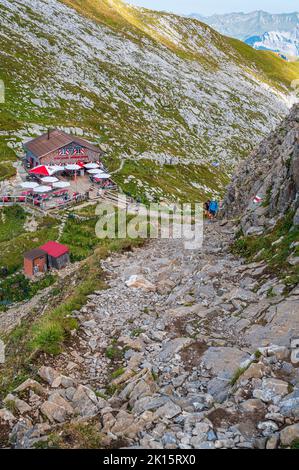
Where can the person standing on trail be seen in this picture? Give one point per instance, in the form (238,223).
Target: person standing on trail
(213,209)
(206,207)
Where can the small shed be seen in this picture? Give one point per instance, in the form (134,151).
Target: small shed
(58,254)
(35,262)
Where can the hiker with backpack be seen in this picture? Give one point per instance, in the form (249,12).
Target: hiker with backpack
(213,209)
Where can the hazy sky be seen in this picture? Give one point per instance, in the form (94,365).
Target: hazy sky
(208,7)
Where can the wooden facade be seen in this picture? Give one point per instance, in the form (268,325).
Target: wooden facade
(35,262)
(58,148)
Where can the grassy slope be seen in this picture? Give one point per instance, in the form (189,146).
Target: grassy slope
(118,15)
(179,182)
(267,64)
(14,241)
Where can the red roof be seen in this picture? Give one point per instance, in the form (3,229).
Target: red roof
(54,249)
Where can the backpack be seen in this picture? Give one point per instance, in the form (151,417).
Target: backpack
(213,206)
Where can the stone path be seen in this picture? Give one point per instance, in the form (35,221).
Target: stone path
(173,341)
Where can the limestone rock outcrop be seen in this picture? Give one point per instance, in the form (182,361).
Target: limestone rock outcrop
(270,174)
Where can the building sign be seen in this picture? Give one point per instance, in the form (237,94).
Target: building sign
(68,158)
(73,150)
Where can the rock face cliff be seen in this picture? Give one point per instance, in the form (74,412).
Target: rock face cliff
(266,185)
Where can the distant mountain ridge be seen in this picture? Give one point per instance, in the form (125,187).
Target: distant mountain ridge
(245,25)
(286,43)
(259,29)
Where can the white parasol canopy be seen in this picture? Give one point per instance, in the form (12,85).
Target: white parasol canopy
(73,167)
(102,176)
(42,189)
(90,166)
(61,184)
(95,171)
(29,185)
(49,179)
(56,168)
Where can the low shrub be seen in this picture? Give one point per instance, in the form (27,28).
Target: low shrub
(48,337)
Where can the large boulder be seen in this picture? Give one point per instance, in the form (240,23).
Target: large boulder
(253,405)
(272,390)
(6,416)
(48,374)
(17,403)
(86,403)
(54,412)
(283,319)
(57,408)
(289,434)
(224,361)
(139,282)
(172,347)
(169,410)
(289,407)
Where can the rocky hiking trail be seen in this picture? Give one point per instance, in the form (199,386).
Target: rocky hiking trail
(185,349)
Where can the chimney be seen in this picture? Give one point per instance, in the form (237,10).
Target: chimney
(49,134)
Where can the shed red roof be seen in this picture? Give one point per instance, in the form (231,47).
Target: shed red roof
(54,249)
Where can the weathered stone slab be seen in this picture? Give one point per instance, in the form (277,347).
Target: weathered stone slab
(223,361)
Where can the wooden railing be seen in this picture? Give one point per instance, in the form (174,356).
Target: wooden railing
(11,200)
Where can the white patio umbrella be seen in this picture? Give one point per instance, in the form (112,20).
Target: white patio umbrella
(49,179)
(102,176)
(61,184)
(90,166)
(73,167)
(42,189)
(56,168)
(94,171)
(29,185)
